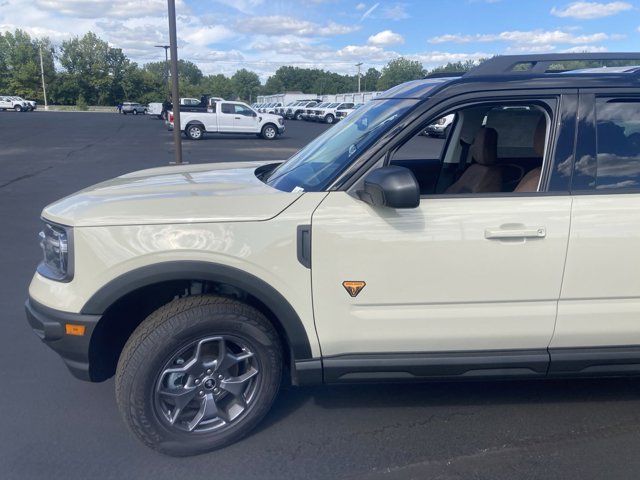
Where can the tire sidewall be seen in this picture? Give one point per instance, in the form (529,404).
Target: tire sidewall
(329,119)
(156,350)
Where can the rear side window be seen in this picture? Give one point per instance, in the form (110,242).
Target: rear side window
(618,144)
(227,108)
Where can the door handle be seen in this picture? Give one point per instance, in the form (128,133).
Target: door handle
(514,231)
(237,118)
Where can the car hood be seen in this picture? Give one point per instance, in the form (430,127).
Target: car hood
(221,192)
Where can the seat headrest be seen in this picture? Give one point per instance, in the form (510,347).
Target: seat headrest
(539,136)
(484,149)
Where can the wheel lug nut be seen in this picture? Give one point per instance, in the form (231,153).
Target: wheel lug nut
(197,382)
(201,393)
(209,371)
(216,390)
(220,377)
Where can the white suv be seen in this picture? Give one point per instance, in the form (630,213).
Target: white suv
(12,103)
(370,255)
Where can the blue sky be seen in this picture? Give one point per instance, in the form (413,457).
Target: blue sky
(224,35)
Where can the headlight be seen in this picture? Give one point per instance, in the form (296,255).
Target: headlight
(56,242)
(281,121)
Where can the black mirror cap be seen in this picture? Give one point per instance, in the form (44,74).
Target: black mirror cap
(391,186)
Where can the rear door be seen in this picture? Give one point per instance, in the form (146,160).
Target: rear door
(598,327)
(226,117)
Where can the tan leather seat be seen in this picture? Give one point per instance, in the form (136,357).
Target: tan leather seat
(483,175)
(530,181)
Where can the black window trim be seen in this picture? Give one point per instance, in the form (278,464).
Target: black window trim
(591,97)
(429,111)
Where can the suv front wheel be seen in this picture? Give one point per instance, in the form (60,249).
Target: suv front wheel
(198,374)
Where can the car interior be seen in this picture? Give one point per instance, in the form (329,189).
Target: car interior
(490,149)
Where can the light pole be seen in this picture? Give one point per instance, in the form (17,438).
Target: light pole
(166,64)
(44,87)
(175,91)
(359,65)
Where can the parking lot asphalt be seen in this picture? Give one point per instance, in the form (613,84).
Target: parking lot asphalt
(55,427)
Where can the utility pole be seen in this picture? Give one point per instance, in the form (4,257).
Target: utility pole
(166,65)
(359,65)
(175,91)
(44,87)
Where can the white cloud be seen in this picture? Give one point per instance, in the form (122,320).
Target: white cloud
(586,48)
(591,10)
(361,6)
(532,37)
(280,24)
(244,6)
(395,12)
(386,37)
(204,36)
(104,8)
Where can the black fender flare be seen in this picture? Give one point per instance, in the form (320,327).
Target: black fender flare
(126,283)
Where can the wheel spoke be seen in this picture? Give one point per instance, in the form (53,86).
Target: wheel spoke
(179,398)
(230,359)
(236,385)
(208,411)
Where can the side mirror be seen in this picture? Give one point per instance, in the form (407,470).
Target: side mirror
(391,186)
(254,114)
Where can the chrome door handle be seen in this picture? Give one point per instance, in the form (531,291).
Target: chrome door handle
(504,232)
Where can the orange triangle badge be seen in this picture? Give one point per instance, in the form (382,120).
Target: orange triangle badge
(353,288)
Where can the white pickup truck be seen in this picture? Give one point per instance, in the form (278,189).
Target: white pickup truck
(229,117)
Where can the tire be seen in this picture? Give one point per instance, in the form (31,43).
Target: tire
(194,132)
(135,112)
(171,337)
(329,119)
(298,116)
(17,108)
(269,132)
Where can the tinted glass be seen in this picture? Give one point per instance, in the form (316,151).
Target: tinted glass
(227,108)
(618,144)
(242,110)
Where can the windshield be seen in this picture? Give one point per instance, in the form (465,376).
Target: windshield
(317,164)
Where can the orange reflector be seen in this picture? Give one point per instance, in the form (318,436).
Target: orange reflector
(77,330)
(353,287)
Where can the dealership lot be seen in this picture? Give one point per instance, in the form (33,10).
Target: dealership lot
(54,426)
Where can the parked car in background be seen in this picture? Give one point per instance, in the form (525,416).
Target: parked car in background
(309,113)
(340,114)
(328,114)
(133,108)
(296,111)
(9,102)
(31,104)
(229,117)
(155,108)
(441,128)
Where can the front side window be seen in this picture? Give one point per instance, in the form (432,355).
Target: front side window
(315,166)
(479,149)
(618,144)
(242,110)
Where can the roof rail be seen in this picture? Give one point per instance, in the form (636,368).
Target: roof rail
(506,64)
(445,74)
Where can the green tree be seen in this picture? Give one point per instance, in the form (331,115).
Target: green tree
(95,70)
(455,67)
(370,79)
(20,64)
(246,84)
(398,71)
(217,86)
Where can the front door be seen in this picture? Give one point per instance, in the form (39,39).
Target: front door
(460,273)
(245,119)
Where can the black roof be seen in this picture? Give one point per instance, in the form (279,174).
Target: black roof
(528,72)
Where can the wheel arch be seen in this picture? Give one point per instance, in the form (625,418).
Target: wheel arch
(195,122)
(161,281)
